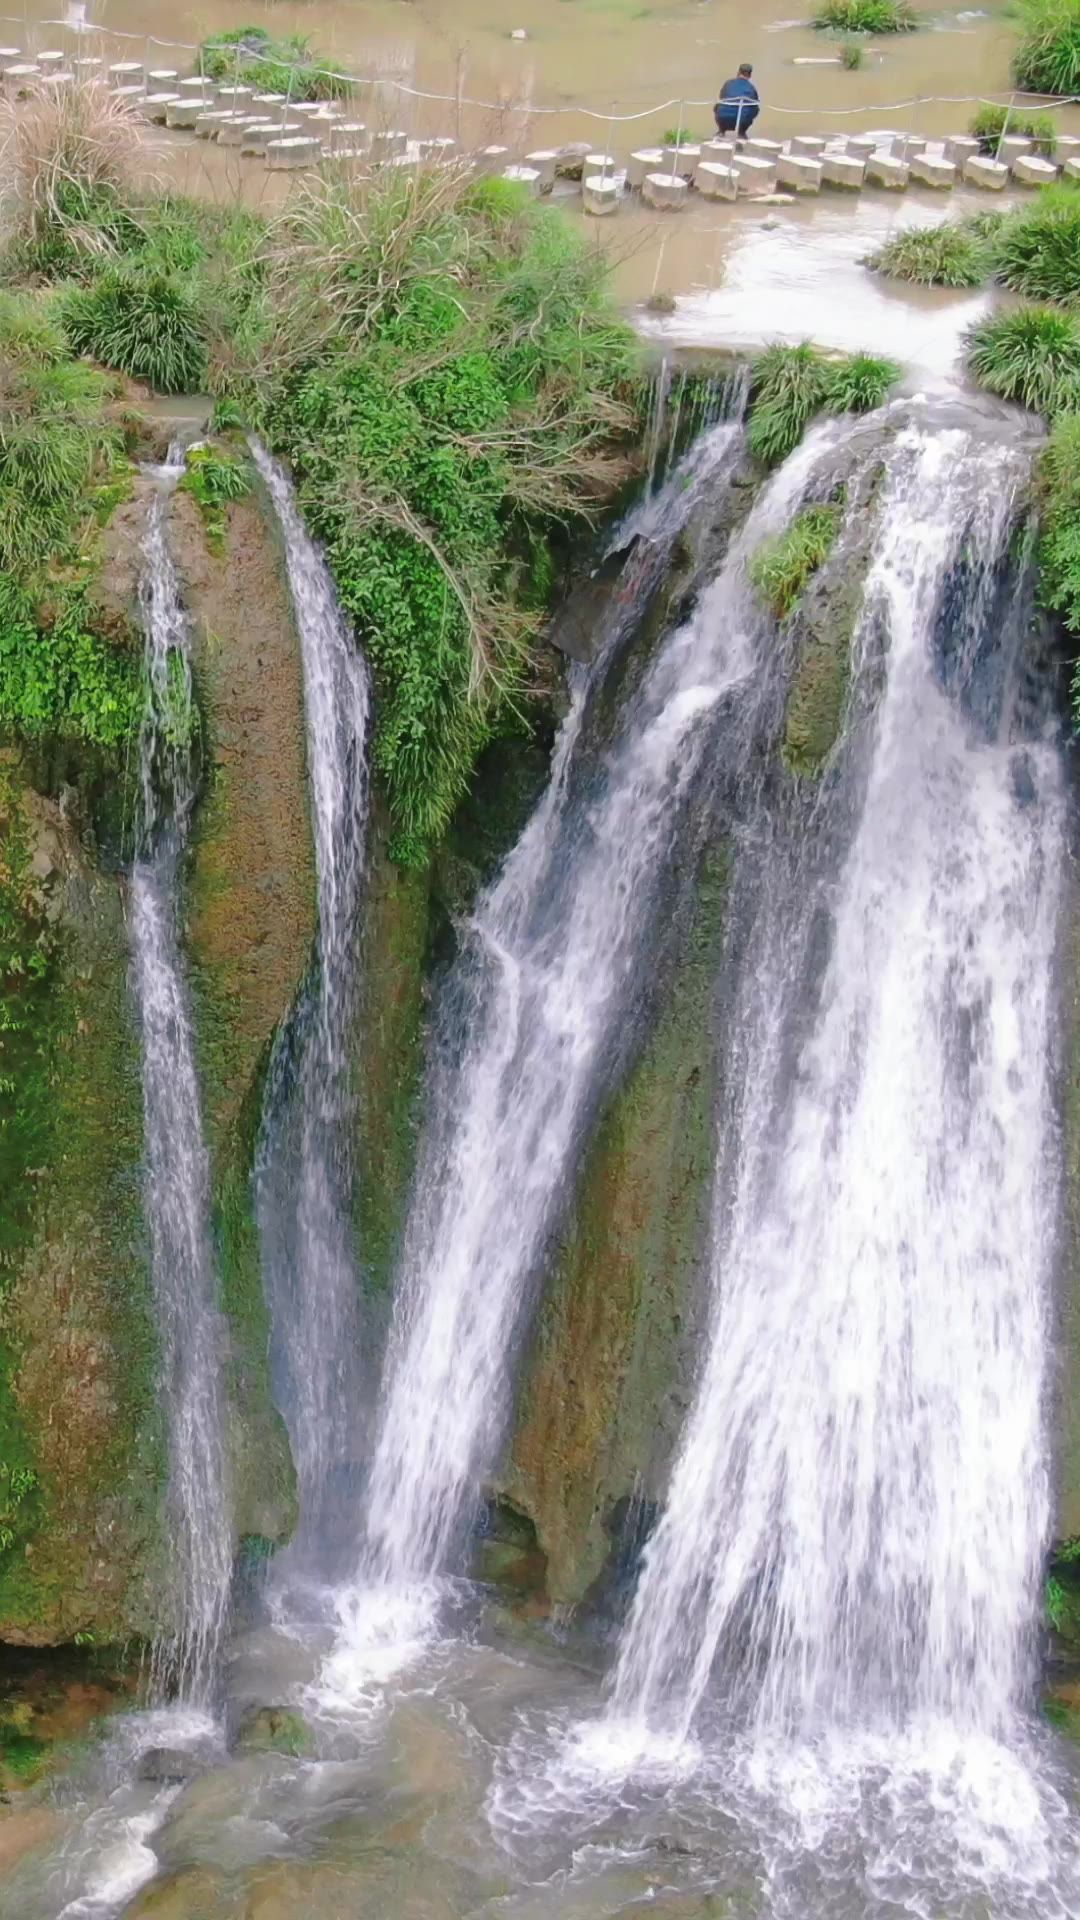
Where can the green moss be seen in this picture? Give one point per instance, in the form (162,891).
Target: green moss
(783,567)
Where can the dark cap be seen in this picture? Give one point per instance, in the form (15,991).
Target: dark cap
(746,67)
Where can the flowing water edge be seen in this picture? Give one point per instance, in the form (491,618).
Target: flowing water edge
(819,1703)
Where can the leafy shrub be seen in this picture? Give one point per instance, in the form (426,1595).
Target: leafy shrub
(789,385)
(949,255)
(1047,59)
(61,679)
(1031,356)
(56,440)
(782,567)
(1059,543)
(852,56)
(679,137)
(1037,249)
(991,122)
(286,66)
(214,478)
(866,16)
(145,324)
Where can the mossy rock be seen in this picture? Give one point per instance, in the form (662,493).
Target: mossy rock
(276,1730)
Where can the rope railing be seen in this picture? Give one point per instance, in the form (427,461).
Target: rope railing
(569,109)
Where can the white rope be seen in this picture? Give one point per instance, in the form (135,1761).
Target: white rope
(587,113)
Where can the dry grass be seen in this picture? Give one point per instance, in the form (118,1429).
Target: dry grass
(67,158)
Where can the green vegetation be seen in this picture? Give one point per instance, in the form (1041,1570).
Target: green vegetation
(59,678)
(866,16)
(1031,356)
(214,478)
(1059,541)
(679,137)
(1047,59)
(1037,249)
(252,57)
(782,567)
(991,122)
(949,255)
(69,166)
(147,325)
(852,56)
(790,385)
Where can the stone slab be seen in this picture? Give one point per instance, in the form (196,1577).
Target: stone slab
(809,145)
(714,181)
(599,194)
(665,191)
(884,170)
(756,175)
(681,159)
(980,171)
(800,172)
(298,150)
(162,80)
(183,113)
(762,149)
(528,177)
(387,142)
(645,160)
(960,147)
(844,170)
(1011,146)
(932,170)
(1071,169)
(862,145)
(125,73)
(543,160)
(155,106)
(1028,170)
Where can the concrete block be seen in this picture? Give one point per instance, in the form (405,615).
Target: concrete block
(183,113)
(960,147)
(162,80)
(264,102)
(570,164)
(756,176)
(721,150)
(907,145)
(238,98)
(348,133)
(599,193)
(208,124)
(127,73)
(1011,147)
(544,161)
(884,170)
(681,159)
(92,68)
(884,138)
(1029,171)
(56,82)
(197,87)
(257,138)
(528,177)
(20,78)
(443,147)
(52,62)
(761,149)
(714,181)
(1071,169)
(980,171)
(800,172)
(155,106)
(808,145)
(131,96)
(844,170)
(313,110)
(492,159)
(603,163)
(387,142)
(665,191)
(297,150)
(407,162)
(234,129)
(645,160)
(11,56)
(862,145)
(1066,146)
(930,171)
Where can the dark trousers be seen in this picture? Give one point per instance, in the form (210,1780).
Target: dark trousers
(736,116)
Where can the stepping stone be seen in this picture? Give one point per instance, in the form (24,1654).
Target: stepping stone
(1011,147)
(162,80)
(599,193)
(311,109)
(907,145)
(756,175)
(56,82)
(665,191)
(235,97)
(407,162)
(799,171)
(197,86)
(960,147)
(862,145)
(92,68)
(11,56)
(544,161)
(603,163)
(234,130)
(257,138)
(528,177)
(721,150)
(492,159)
(883,138)
(131,96)
(681,159)
(714,181)
(1071,169)
(1029,171)
(763,149)
(208,124)
(570,164)
(844,170)
(884,170)
(808,145)
(645,160)
(127,73)
(980,171)
(385,144)
(262,102)
(1066,146)
(51,62)
(349,133)
(155,106)
(183,113)
(930,171)
(19,79)
(443,148)
(298,150)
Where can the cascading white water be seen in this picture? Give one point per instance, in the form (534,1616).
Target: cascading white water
(852,1537)
(303,1175)
(547,977)
(177,1168)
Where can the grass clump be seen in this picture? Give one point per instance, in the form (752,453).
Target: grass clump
(991,122)
(1031,356)
(852,56)
(443,370)
(1047,59)
(254,58)
(1059,540)
(866,16)
(68,165)
(946,256)
(782,567)
(147,325)
(213,479)
(1037,249)
(790,385)
(59,678)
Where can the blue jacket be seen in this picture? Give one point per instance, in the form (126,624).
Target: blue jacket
(738,89)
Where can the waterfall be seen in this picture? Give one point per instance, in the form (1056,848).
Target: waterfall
(303,1176)
(177,1167)
(851,1544)
(531,1021)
